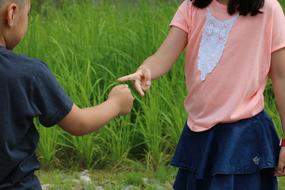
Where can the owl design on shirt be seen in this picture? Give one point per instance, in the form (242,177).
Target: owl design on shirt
(214,38)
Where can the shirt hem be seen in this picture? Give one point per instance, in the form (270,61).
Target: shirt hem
(180,26)
(278,48)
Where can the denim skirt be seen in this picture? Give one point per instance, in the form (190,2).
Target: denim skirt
(230,156)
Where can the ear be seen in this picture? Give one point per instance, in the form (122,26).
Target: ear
(11,14)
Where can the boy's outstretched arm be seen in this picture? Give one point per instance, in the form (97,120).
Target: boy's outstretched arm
(159,63)
(83,121)
(278,82)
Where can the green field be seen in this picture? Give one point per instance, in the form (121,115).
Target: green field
(88,45)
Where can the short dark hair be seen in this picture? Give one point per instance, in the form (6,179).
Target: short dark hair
(20,2)
(243,7)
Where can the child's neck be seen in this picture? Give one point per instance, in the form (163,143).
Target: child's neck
(2,41)
(225,2)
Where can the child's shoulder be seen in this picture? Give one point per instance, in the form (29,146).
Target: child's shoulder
(271,5)
(186,7)
(19,66)
(186,4)
(35,65)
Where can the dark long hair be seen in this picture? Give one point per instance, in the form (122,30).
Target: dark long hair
(244,7)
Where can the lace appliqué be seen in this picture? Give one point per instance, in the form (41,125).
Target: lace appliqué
(214,38)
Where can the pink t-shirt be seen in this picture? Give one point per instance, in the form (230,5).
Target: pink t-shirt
(227,60)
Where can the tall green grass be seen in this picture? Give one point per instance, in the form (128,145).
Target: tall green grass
(88,45)
(282,3)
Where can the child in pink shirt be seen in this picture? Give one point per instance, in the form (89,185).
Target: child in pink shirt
(232,48)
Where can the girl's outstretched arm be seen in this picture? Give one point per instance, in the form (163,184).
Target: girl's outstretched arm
(278,82)
(159,63)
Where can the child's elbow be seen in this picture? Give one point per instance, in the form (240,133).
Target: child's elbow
(80,129)
(77,133)
(77,128)
(75,123)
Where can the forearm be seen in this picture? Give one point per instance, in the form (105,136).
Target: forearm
(157,65)
(277,72)
(278,85)
(96,117)
(83,121)
(162,61)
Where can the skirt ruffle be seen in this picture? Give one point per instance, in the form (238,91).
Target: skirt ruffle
(244,147)
(263,180)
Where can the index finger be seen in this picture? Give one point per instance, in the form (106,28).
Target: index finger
(130,77)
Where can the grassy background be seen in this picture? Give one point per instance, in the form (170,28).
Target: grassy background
(88,45)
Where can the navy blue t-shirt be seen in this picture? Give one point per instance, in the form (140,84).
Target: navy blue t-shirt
(27,90)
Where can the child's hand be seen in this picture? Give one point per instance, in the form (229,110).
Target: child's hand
(280,169)
(141,78)
(122,96)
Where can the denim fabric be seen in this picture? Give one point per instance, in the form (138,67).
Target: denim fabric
(241,148)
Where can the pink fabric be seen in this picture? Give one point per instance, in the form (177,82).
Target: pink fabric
(234,90)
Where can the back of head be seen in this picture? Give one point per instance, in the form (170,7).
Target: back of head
(13,21)
(19,2)
(243,7)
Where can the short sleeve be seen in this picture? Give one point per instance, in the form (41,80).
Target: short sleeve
(49,99)
(278,28)
(182,16)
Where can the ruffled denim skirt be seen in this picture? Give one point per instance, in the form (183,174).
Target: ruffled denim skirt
(230,156)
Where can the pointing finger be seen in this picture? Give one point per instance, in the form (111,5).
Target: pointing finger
(130,77)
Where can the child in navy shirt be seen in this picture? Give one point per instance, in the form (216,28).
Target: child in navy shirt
(28,90)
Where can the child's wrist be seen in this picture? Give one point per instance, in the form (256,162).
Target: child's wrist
(115,105)
(142,67)
(282,143)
